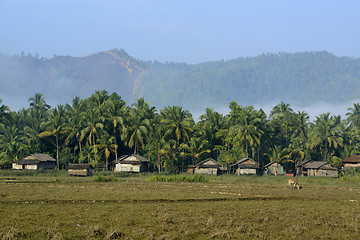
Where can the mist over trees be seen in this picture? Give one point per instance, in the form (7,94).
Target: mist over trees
(296,78)
(102,127)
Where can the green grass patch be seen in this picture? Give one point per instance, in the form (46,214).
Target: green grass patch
(102,178)
(178,178)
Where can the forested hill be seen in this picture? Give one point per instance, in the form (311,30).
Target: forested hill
(300,78)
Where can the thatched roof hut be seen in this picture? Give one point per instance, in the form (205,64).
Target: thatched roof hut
(208,166)
(80,170)
(301,167)
(35,161)
(353,161)
(131,163)
(322,168)
(245,166)
(274,168)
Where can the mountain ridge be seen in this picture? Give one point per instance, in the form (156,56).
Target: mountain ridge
(304,77)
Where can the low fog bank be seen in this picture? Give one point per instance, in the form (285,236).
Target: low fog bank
(17,102)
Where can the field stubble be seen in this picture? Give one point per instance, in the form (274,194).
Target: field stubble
(134,208)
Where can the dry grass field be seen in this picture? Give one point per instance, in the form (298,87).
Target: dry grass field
(224,207)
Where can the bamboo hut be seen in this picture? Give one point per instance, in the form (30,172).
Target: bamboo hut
(36,161)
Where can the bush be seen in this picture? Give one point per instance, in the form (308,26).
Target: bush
(102,178)
(178,178)
(351,174)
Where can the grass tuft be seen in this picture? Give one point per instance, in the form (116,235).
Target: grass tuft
(101,178)
(178,178)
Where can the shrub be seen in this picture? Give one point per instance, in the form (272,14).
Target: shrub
(178,178)
(101,178)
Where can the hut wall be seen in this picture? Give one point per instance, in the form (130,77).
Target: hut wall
(210,171)
(354,165)
(245,171)
(31,167)
(47,165)
(275,170)
(312,172)
(17,166)
(120,167)
(78,172)
(328,173)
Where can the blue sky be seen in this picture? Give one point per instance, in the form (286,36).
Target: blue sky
(180,31)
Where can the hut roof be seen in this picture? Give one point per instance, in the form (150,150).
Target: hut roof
(271,163)
(249,166)
(352,159)
(303,162)
(79,166)
(213,163)
(321,165)
(35,158)
(243,163)
(132,158)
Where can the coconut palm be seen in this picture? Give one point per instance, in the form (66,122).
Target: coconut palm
(178,122)
(93,123)
(75,115)
(325,134)
(279,155)
(3,111)
(114,114)
(105,143)
(55,127)
(353,116)
(195,148)
(138,129)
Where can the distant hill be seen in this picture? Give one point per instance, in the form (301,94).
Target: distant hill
(300,78)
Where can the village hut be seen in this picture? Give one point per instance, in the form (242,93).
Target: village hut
(131,163)
(36,161)
(273,168)
(245,166)
(80,170)
(301,167)
(208,166)
(352,162)
(323,169)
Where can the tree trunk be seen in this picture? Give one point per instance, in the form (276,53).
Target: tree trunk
(116,156)
(106,162)
(94,149)
(159,162)
(57,151)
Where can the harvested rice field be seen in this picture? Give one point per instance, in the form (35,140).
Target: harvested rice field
(224,207)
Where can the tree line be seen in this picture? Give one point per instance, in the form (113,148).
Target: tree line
(101,128)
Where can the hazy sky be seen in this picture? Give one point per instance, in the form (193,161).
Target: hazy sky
(181,31)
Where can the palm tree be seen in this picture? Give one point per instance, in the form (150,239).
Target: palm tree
(178,122)
(325,135)
(279,155)
(158,145)
(3,111)
(76,119)
(56,127)
(93,123)
(115,111)
(39,105)
(99,99)
(12,138)
(106,145)
(138,129)
(302,124)
(246,134)
(353,116)
(195,148)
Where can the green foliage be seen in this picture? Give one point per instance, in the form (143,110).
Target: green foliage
(178,178)
(102,178)
(351,175)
